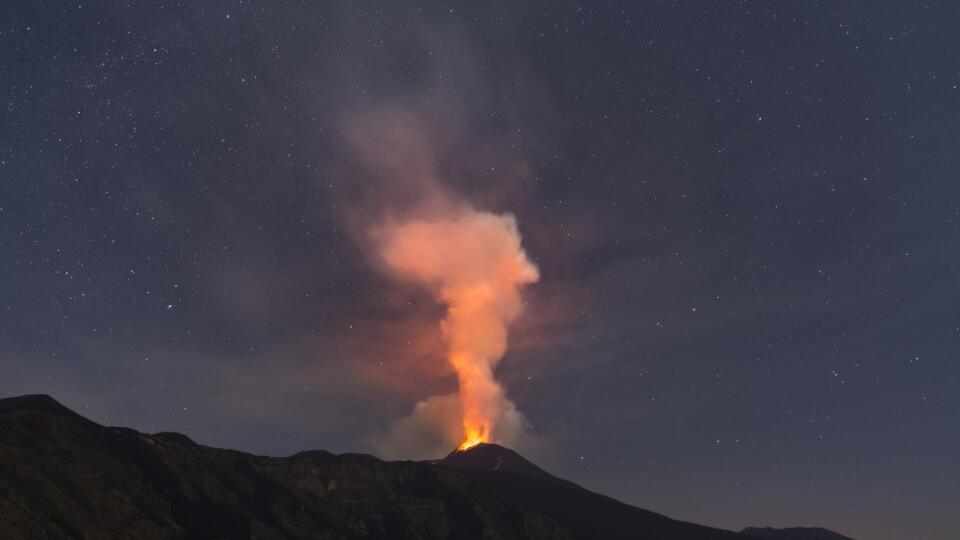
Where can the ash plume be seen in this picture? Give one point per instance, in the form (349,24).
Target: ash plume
(471,261)
(474,264)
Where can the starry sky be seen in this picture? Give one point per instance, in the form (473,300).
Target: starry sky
(746,216)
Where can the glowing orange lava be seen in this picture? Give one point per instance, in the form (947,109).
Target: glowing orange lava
(473,439)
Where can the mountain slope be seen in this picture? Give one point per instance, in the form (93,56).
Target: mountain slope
(793,533)
(63,476)
(583,513)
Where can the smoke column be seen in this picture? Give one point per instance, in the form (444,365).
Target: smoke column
(474,264)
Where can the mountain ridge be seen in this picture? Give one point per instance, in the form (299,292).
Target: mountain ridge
(64,476)
(793,533)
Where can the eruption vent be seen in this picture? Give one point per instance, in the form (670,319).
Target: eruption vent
(474,264)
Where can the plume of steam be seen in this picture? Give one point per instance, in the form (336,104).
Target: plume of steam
(471,261)
(474,264)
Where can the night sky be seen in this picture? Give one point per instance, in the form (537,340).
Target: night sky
(746,217)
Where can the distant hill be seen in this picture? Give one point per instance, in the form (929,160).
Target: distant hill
(793,533)
(63,476)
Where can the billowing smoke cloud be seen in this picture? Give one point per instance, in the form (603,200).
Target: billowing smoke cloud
(474,264)
(423,234)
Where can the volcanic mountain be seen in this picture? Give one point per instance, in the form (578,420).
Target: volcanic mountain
(793,533)
(63,476)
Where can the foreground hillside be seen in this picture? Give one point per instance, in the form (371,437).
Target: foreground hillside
(63,476)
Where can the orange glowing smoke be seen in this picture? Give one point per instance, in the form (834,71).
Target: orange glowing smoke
(474,264)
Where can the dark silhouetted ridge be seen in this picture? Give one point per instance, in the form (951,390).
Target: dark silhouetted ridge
(175,437)
(33,402)
(38,403)
(578,512)
(63,476)
(793,533)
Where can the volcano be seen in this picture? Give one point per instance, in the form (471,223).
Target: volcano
(63,476)
(494,458)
